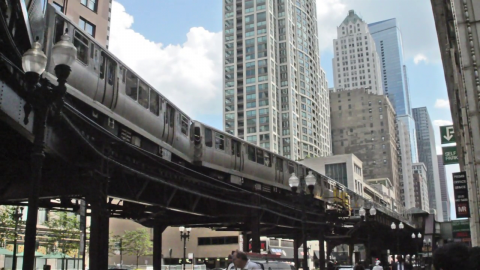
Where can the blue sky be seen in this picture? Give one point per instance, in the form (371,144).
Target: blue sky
(175,45)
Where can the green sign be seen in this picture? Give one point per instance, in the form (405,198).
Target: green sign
(460,225)
(450,155)
(447,134)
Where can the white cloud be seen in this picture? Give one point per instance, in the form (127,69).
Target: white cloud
(330,14)
(442,122)
(442,103)
(190,74)
(419,58)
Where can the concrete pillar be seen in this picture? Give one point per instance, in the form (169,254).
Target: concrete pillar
(296,245)
(350,253)
(255,227)
(157,246)
(98,252)
(321,244)
(246,242)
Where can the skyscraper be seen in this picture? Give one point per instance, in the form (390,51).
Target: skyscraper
(420,180)
(275,93)
(428,155)
(456,22)
(444,188)
(356,63)
(364,124)
(388,41)
(407,191)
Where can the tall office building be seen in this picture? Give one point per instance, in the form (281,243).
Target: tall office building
(275,93)
(428,155)
(356,63)
(388,41)
(444,188)
(364,124)
(420,179)
(457,22)
(407,192)
(93,16)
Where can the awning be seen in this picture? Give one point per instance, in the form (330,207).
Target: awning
(5,252)
(57,255)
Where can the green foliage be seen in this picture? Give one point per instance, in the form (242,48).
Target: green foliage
(64,231)
(137,243)
(7,224)
(114,245)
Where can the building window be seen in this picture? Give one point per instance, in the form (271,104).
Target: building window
(228,240)
(87,26)
(91,4)
(58,7)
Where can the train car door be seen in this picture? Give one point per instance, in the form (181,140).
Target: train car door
(106,93)
(236,155)
(169,125)
(279,170)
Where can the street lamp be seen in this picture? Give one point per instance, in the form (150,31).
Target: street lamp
(184,235)
(419,236)
(310,182)
(42,98)
(16,216)
(400,227)
(363,215)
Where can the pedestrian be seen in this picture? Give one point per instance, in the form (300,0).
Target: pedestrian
(474,259)
(359,267)
(401,264)
(230,264)
(240,260)
(330,266)
(377,266)
(451,256)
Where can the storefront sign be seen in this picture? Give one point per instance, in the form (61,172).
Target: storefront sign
(460,191)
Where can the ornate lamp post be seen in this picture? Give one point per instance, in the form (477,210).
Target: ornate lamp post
(419,236)
(363,215)
(16,216)
(397,232)
(184,235)
(41,98)
(310,182)
(428,247)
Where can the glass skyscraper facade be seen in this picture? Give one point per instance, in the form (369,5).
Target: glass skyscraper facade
(275,92)
(388,41)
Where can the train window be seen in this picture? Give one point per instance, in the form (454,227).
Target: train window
(291,167)
(81,43)
(208,137)
(111,71)
(279,164)
(124,74)
(153,102)
(171,115)
(268,159)
(260,157)
(132,85)
(92,50)
(102,67)
(185,122)
(143,94)
(59,29)
(236,148)
(251,153)
(219,141)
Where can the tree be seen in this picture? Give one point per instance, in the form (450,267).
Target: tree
(114,246)
(137,243)
(7,224)
(64,232)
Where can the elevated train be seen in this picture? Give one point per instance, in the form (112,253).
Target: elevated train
(113,95)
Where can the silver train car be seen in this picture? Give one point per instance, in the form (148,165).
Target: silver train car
(113,95)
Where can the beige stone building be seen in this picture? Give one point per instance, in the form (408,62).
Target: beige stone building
(93,16)
(364,124)
(209,247)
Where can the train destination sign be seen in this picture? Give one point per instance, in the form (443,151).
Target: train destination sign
(460,191)
(447,134)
